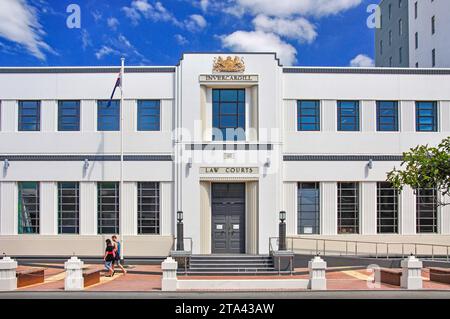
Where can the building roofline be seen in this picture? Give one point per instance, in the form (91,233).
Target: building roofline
(374,70)
(88,69)
(231,53)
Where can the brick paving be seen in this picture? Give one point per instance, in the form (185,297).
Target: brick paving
(148,278)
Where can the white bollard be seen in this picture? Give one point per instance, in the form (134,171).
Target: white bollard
(411,273)
(8,279)
(74,274)
(169,279)
(317,269)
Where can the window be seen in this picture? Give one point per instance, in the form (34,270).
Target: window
(68,115)
(148,208)
(390,11)
(416,10)
(348,115)
(348,208)
(68,208)
(416,37)
(426,116)
(229,114)
(400,55)
(308,115)
(108,115)
(381,47)
(417,64)
(148,115)
(28,208)
(433,57)
(390,61)
(390,37)
(387,208)
(387,116)
(108,208)
(29,115)
(400,2)
(400,27)
(426,208)
(433,25)
(308,208)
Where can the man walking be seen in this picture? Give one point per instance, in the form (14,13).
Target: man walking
(117,247)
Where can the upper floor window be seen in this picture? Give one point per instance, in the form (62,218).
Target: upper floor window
(400,27)
(29,115)
(433,25)
(390,11)
(387,116)
(433,58)
(348,115)
(68,115)
(416,10)
(426,117)
(28,208)
(308,115)
(148,115)
(108,115)
(228,114)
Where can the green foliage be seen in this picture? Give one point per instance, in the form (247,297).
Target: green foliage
(425,167)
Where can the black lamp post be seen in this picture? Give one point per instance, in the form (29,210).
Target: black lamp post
(180,235)
(282,231)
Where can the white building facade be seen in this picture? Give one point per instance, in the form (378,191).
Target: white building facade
(413,33)
(313,142)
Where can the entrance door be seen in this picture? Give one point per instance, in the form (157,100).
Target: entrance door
(228,218)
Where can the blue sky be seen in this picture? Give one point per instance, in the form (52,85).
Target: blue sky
(152,32)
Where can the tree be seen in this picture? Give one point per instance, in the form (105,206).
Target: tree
(425,167)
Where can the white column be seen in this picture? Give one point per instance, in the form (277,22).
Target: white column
(411,273)
(73,280)
(407,116)
(444,108)
(328,199)
(88,115)
(290,206)
(49,116)
(167,211)
(407,212)
(48,208)
(328,113)
(8,116)
(129,214)
(8,280)
(368,208)
(290,115)
(167,115)
(88,208)
(8,208)
(169,278)
(368,114)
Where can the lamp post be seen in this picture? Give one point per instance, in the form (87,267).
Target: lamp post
(282,231)
(180,235)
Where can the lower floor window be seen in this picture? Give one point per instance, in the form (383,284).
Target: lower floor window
(148,208)
(348,208)
(68,208)
(108,208)
(387,208)
(308,208)
(427,208)
(28,208)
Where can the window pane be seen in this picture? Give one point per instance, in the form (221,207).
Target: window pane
(108,115)
(229,113)
(308,210)
(68,208)
(148,208)
(148,115)
(108,208)
(28,218)
(387,116)
(348,115)
(348,208)
(387,208)
(426,208)
(29,115)
(308,115)
(68,116)
(426,116)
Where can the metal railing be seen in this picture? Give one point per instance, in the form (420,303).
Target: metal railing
(185,240)
(345,247)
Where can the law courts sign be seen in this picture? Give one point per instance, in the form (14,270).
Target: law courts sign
(229,170)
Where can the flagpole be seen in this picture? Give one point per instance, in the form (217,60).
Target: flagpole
(122,211)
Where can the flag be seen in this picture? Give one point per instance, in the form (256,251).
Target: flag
(118,84)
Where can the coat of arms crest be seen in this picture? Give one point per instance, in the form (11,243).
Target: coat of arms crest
(228,64)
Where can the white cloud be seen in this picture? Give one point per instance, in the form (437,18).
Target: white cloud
(286,8)
(296,28)
(121,46)
(156,12)
(19,23)
(105,50)
(97,16)
(85,39)
(204,4)
(362,61)
(195,22)
(180,39)
(113,23)
(258,41)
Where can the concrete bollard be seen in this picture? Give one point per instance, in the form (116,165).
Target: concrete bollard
(317,269)
(74,274)
(411,273)
(169,280)
(8,279)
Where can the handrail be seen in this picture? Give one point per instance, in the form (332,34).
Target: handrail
(356,243)
(184,238)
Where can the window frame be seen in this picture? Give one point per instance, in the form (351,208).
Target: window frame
(36,116)
(239,116)
(316,116)
(154,126)
(34,228)
(435,117)
(75,187)
(380,116)
(77,116)
(141,188)
(356,210)
(434,210)
(316,213)
(356,117)
(382,210)
(101,228)
(99,118)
